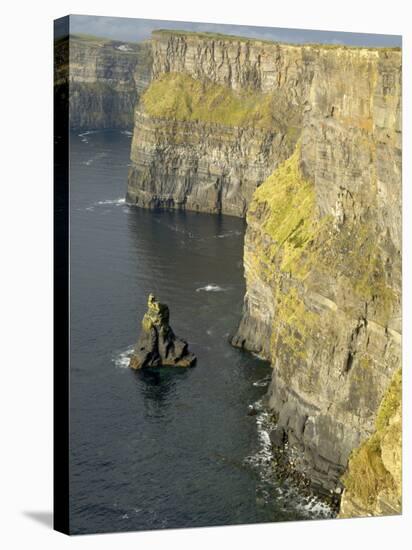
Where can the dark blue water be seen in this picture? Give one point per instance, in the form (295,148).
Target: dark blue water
(159,448)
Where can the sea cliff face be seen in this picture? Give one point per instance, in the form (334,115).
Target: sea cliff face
(218,117)
(373,481)
(322,262)
(106,79)
(305,141)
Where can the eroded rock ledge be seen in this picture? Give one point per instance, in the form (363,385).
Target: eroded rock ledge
(157,344)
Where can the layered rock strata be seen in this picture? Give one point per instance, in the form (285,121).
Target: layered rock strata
(218,117)
(373,481)
(323,265)
(157,344)
(307,141)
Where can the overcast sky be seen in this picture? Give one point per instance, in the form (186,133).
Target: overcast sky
(120,28)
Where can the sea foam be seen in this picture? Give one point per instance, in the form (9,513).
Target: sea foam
(122,359)
(210,288)
(109,202)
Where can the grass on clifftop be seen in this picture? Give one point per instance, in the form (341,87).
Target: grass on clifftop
(366,475)
(177,96)
(211,36)
(249,39)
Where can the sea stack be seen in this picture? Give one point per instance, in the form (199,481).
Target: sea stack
(157,345)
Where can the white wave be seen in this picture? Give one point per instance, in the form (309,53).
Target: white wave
(315,508)
(228,234)
(210,288)
(122,359)
(260,357)
(264,426)
(126,133)
(124,48)
(308,505)
(88,162)
(263,382)
(108,202)
(87,133)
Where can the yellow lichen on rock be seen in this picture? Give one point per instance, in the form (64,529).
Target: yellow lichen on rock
(288,202)
(373,481)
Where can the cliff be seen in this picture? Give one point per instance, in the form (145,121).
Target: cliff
(106,79)
(219,115)
(373,481)
(305,141)
(323,265)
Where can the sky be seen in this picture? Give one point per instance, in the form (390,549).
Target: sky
(125,29)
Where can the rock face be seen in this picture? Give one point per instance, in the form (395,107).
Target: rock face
(219,116)
(106,79)
(373,481)
(157,345)
(322,262)
(307,141)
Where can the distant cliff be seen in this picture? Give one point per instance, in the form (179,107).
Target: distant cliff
(106,78)
(306,142)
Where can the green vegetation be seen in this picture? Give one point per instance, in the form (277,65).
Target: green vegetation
(211,36)
(295,322)
(289,201)
(89,38)
(366,475)
(285,207)
(364,267)
(301,242)
(177,96)
(101,41)
(390,403)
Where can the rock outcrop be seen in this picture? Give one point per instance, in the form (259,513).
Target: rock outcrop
(106,78)
(158,345)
